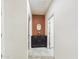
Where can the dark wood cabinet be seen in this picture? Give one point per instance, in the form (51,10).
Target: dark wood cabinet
(38,41)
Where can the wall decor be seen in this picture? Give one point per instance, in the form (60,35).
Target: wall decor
(38,26)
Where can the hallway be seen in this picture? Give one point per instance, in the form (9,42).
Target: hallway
(60,22)
(41,29)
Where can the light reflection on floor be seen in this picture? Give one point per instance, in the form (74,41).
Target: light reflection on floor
(41,53)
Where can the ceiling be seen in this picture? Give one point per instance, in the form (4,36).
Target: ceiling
(39,7)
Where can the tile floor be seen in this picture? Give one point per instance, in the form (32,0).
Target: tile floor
(41,53)
(41,57)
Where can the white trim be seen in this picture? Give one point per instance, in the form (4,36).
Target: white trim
(47,33)
(30,26)
(48,30)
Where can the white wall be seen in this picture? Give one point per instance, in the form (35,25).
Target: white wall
(15,29)
(2,30)
(66,29)
(65,12)
(50,10)
(48,16)
(29,8)
(50,28)
(29,20)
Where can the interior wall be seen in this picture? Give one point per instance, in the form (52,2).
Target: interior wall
(38,19)
(50,10)
(15,29)
(29,24)
(65,12)
(29,13)
(49,16)
(66,29)
(2,30)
